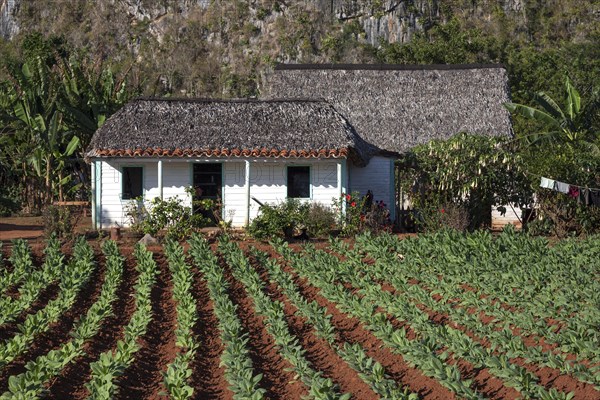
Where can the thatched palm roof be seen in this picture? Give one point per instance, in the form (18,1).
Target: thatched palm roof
(242,128)
(397,107)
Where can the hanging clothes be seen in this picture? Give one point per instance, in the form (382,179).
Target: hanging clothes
(574,191)
(561,187)
(595,198)
(584,197)
(547,183)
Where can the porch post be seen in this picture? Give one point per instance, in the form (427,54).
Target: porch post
(98,193)
(160,179)
(93,194)
(342,186)
(247,186)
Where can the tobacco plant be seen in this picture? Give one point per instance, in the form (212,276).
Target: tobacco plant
(34,282)
(40,371)
(178,372)
(113,363)
(239,372)
(75,277)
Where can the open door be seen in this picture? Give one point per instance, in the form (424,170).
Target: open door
(207,181)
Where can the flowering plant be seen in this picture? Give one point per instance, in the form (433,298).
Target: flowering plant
(357,214)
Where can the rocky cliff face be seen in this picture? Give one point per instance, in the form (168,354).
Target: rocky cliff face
(381,20)
(8,18)
(390,20)
(219,47)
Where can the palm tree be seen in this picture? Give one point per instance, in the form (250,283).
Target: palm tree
(571,124)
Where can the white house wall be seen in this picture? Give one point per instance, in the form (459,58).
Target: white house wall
(512,216)
(176,177)
(268,184)
(377,176)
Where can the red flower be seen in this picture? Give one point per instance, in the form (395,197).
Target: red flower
(362,217)
(353,204)
(442,211)
(348,197)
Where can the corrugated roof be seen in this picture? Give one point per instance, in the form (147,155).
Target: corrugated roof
(396,107)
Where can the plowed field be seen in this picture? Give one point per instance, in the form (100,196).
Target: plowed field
(438,316)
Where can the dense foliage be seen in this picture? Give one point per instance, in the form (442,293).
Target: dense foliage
(293,217)
(50,105)
(171,217)
(467,174)
(347,215)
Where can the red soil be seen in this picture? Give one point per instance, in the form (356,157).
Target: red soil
(143,379)
(207,378)
(70,383)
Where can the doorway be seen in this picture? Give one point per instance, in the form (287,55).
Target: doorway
(207,179)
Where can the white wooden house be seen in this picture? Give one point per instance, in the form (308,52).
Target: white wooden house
(240,151)
(320,131)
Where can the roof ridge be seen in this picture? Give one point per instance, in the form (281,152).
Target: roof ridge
(393,67)
(237,100)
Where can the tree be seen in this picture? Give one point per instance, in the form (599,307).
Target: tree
(559,148)
(51,104)
(573,123)
(31,113)
(466,172)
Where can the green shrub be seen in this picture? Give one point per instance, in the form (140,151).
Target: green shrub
(465,174)
(434,217)
(320,220)
(356,215)
(280,219)
(171,215)
(8,207)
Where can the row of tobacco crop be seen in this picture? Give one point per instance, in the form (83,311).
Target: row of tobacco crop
(525,288)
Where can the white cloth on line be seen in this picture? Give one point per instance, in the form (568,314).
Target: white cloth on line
(547,183)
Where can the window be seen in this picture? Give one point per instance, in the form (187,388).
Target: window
(298,182)
(132,182)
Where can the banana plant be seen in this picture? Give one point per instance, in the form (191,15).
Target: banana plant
(570,123)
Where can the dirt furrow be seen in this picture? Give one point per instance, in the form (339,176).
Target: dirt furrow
(143,379)
(318,351)
(71,383)
(58,333)
(278,380)
(351,330)
(207,378)
(549,377)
